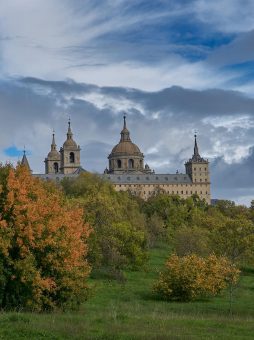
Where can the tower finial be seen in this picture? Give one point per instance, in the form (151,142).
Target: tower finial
(53,144)
(69,133)
(24,150)
(125,134)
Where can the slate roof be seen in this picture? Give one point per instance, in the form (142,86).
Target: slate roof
(128,178)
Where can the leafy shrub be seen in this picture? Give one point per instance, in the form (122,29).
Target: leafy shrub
(43,244)
(191,277)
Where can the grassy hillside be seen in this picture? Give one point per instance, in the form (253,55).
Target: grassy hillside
(129,311)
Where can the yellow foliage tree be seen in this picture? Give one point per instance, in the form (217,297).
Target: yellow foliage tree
(191,277)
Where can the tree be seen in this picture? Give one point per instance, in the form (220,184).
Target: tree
(119,239)
(192,277)
(43,244)
(234,238)
(191,240)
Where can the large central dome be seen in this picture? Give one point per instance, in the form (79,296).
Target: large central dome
(126,147)
(125,156)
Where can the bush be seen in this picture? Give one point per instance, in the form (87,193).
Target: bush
(192,277)
(43,245)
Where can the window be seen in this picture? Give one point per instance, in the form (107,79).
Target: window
(56,169)
(119,163)
(72,157)
(131,163)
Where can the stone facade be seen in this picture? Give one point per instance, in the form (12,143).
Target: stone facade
(126,170)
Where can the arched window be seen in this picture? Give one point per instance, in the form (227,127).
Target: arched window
(119,163)
(72,157)
(56,169)
(141,163)
(131,163)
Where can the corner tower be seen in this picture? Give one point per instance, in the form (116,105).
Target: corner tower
(198,169)
(126,156)
(52,161)
(70,154)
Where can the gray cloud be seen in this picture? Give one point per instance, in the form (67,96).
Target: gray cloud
(161,123)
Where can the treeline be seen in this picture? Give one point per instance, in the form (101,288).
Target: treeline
(52,237)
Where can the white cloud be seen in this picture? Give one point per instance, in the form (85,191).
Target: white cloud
(231,16)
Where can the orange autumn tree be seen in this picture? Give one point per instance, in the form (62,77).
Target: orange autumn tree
(43,245)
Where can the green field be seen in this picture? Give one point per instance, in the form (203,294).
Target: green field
(130,311)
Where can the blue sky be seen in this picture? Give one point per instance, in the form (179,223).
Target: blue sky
(173,66)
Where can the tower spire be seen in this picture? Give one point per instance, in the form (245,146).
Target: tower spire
(196,153)
(69,132)
(53,144)
(125,134)
(24,160)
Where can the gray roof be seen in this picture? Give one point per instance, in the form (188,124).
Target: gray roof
(128,178)
(148,178)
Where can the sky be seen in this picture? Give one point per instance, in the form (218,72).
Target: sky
(173,66)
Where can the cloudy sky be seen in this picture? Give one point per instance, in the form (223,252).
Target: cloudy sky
(174,66)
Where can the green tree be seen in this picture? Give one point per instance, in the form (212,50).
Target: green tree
(119,237)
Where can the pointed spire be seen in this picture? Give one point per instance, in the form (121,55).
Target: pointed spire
(125,134)
(24,160)
(196,153)
(69,133)
(196,156)
(53,144)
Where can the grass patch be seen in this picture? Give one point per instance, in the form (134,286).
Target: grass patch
(130,311)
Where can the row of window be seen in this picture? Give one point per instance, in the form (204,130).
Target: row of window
(151,185)
(177,192)
(152,178)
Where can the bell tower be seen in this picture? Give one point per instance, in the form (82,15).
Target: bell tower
(52,161)
(70,154)
(198,169)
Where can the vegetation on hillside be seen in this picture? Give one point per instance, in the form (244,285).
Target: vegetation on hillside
(52,236)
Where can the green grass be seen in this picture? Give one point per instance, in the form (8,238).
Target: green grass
(131,312)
